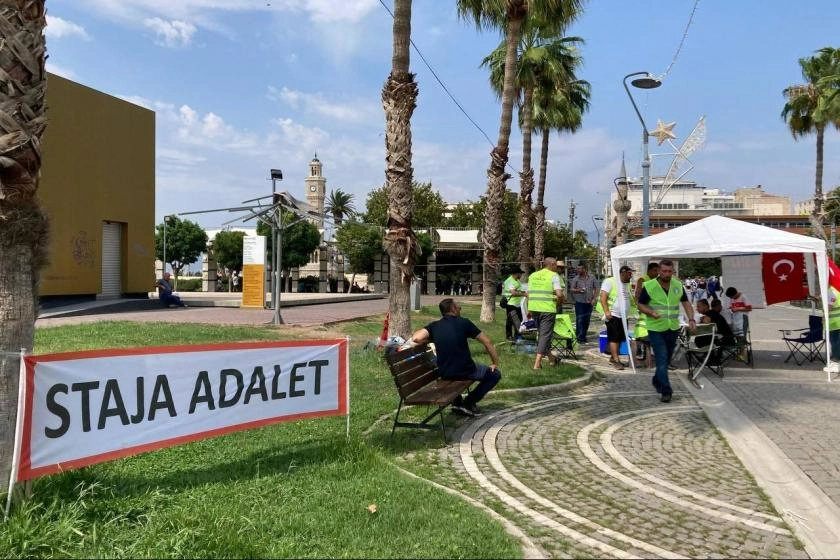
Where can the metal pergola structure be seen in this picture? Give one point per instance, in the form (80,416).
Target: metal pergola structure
(269,210)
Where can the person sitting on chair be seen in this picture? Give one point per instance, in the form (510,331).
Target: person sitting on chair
(165,294)
(711,314)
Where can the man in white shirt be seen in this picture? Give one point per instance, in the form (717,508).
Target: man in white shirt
(615,304)
(736,304)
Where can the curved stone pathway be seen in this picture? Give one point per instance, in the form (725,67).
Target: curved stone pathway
(608,471)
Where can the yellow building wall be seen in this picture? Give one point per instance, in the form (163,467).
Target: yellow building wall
(98,166)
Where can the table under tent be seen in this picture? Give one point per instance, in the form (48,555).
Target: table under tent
(741,247)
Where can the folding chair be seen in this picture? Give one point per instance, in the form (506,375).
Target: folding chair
(564,339)
(702,350)
(809,344)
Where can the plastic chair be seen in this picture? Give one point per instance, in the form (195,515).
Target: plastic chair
(808,345)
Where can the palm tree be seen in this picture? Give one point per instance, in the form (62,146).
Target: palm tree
(557,107)
(399,98)
(23,225)
(340,204)
(811,107)
(543,58)
(509,15)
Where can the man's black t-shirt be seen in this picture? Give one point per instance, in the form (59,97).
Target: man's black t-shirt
(722,328)
(450,336)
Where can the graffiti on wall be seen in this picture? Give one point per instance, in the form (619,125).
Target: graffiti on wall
(84,249)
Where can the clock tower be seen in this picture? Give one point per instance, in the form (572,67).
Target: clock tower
(316,189)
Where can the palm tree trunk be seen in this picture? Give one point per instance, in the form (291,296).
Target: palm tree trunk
(539,209)
(399,98)
(23,226)
(818,190)
(496,175)
(526,185)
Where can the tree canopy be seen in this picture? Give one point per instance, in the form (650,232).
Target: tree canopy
(227,249)
(300,239)
(185,241)
(429,207)
(361,245)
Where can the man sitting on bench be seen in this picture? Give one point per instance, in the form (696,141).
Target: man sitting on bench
(165,294)
(454,360)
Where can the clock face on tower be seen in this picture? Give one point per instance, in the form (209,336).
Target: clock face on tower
(313,188)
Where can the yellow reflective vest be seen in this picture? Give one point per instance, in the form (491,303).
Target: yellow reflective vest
(666,305)
(541,295)
(834,312)
(511,284)
(630,311)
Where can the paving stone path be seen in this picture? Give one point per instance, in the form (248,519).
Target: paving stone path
(608,471)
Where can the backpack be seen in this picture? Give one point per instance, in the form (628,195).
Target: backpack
(503,302)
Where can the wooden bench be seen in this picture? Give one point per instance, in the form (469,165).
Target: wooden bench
(418,382)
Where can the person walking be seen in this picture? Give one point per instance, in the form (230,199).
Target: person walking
(512,291)
(545,292)
(584,293)
(660,300)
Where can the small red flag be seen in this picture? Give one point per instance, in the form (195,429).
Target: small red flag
(783,275)
(833,274)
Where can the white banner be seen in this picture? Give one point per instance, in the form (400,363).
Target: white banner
(253,249)
(87,407)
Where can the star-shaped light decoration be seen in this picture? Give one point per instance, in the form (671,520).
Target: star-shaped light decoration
(663,131)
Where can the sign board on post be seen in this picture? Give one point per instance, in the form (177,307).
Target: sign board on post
(253,271)
(83,408)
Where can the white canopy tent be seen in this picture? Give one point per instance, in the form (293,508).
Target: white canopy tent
(717,236)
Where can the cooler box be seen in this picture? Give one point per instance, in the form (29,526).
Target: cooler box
(602,345)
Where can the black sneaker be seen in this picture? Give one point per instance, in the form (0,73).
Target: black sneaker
(473,408)
(463,410)
(666,397)
(459,401)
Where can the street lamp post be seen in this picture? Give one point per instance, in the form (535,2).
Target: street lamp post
(598,233)
(165,221)
(645,82)
(277,252)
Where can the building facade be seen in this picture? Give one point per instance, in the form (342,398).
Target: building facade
(98,189)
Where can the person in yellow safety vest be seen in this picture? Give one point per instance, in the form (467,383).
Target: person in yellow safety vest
(545,292)
(833,330)
(660,300)
(512,291)
(614,309)
(641,343)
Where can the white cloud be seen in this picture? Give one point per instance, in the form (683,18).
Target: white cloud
(172,33)
(58,28)
(348,111)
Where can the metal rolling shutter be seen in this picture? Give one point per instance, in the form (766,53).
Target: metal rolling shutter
(111,260)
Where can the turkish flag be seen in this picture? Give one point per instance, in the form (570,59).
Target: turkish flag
(833,274)
(783,275)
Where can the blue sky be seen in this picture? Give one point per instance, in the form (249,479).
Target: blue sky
(242,86)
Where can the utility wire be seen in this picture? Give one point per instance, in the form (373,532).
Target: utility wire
(682,42)
(445,89)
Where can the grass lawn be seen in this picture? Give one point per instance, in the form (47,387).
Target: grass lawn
(290,490)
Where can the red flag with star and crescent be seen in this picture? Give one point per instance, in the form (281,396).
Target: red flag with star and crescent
(784,277)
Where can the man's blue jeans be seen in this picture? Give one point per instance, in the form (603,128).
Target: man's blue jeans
(662,344)
(583,314)
(487,379)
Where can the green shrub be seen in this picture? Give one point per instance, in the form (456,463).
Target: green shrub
(189,284)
